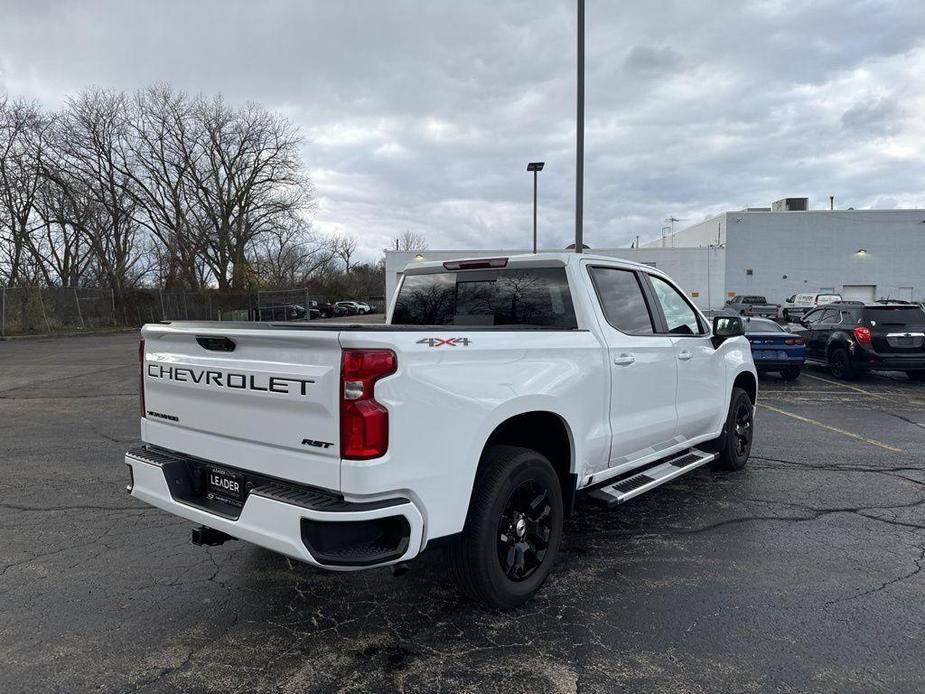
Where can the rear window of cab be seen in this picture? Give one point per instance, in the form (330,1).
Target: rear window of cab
(529,297)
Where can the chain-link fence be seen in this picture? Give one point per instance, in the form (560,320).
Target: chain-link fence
(32,310)
(36,311)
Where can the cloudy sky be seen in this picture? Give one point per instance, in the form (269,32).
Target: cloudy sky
(422,115)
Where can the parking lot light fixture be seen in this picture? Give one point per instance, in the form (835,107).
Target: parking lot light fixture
(535,167)
(861,252)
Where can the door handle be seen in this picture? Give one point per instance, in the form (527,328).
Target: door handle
(684,355)
(624,359)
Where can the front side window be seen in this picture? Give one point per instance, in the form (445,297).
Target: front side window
(622,300)
(537,297)
(680,316)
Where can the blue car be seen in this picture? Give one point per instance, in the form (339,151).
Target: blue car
(775,349)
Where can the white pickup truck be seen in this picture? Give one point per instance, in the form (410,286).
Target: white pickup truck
(496,391)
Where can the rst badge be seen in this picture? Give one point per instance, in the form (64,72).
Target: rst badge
(441,341)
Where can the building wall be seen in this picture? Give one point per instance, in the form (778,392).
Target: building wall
(708,232)
(790,252)
(690,268)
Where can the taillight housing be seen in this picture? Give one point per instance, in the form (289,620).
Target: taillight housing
(141,377)
(364,423)
(862,335)
(794,341)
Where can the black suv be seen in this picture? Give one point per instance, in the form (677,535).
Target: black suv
(853,337)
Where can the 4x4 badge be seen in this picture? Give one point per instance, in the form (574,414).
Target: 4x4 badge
(440,341)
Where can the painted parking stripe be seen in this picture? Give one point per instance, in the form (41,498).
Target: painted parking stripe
(845,385)
(872,442)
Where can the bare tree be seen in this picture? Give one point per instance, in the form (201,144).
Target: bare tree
(90,145)
(161,151)
(60,244)
(22,143)
(291,257)
(344,247)
(410,241)
(246,180)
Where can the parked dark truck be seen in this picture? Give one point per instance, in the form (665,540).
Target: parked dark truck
(852,338)
(752,305)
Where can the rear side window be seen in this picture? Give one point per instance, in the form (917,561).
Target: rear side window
(622,300)
(895,316)
(536,297)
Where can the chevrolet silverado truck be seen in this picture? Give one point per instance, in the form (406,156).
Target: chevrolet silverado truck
(497,391)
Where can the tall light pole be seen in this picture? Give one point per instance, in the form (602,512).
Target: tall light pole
(535,167)
(580,132)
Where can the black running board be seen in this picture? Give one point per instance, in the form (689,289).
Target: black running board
(628,487)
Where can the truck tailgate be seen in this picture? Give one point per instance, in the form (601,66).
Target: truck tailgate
(259,399)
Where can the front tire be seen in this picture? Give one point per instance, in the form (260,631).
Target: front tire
(512,532)
(736,444)
(916,375)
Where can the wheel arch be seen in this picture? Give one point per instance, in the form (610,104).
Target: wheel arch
(545,432)
(835,342)
(747,381)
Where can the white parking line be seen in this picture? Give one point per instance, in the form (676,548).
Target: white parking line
(872,442)
(845,385)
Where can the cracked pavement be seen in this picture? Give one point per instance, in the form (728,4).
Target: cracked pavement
(803,573)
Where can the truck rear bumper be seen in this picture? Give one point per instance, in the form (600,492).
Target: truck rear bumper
(313,526)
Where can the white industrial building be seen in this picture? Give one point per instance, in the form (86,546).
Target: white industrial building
(787,249)
(776,252)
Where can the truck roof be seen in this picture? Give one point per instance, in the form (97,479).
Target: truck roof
(543,259)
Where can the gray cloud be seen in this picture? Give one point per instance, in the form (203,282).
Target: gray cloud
(874,116)
(652,58)
(422,116)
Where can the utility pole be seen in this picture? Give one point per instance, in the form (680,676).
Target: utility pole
(580,132)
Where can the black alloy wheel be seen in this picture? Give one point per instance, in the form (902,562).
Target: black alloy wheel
(735,443)
(524,530)
(513,529)
(742,428)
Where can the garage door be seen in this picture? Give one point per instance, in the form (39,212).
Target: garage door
(859,292)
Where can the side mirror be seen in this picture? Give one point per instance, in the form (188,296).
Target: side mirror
(725,327)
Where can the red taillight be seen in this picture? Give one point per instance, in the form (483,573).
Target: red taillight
(862,335)
(794,341)
(141,377)
(364,423)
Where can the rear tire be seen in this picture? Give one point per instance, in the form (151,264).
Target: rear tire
(840,364)
(916,375)
(736,441)
(512,532)
(791,373)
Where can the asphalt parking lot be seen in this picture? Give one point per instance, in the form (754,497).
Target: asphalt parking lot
(804,572)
